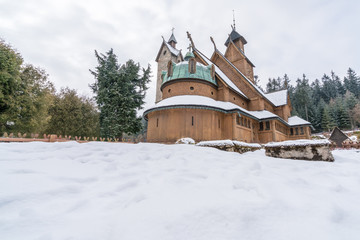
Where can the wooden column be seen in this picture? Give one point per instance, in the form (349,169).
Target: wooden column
(273,129)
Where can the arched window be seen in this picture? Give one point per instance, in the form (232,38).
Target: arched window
(192,65)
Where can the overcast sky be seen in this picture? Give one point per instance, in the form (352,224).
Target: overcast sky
(293,37)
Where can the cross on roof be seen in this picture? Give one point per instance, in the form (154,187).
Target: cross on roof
(189,47)
(234,18)
(172,30)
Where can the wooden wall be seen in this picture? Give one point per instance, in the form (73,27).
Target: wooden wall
(182,87)
(169,125)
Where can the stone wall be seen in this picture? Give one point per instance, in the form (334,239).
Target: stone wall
(314,150)
(230,146)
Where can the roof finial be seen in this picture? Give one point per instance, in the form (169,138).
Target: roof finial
(189,36)
(172,30)
(234,18)
(189,47)
(212,40)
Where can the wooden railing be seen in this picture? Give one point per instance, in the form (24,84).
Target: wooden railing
(56,138)
(346,145)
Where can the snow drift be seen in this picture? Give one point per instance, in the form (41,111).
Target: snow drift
(152,191)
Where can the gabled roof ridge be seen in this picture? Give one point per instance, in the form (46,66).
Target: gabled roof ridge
(172,50)
(172,38)
(221,74)
(279,97)
(241,51)
(250,82)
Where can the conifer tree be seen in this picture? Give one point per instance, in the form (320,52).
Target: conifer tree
(352,82)
(120,91)
(344,119)
(326,123)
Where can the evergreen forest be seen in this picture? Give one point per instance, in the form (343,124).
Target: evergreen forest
(326,103)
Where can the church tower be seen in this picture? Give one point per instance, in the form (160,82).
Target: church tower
(235,52)
(167,52)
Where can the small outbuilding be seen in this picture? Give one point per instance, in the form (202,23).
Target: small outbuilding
(338,137)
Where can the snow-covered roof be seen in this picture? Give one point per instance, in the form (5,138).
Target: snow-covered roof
(172,38)
(201,101)
(248,80)
(263,114)
(221,74)
(172,50)
(295,120)
(278,98)
(196,100)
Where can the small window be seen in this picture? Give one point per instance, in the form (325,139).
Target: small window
(291,131)
(261,126)
(192,65)
(234,98)
(170,68)
(192,121)
(164,52)
(191,88)
(169,90)
(157,122)
(243,104)
(219,123)
(301,130)
(212,93)
(267,125)
(296,131)
(238,120)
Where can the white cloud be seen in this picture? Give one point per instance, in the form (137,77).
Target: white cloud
(293,37)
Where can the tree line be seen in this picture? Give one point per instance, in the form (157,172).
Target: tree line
(326,103)
(29,102)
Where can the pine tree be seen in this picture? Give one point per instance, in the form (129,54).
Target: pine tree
(352,82)
(329,89)
(273,85)
(286,82)
(316,91)
(326,123)
(302,97)
(340,89)
(344,119)
(120,91)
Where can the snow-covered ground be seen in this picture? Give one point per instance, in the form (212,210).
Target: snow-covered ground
(94,191)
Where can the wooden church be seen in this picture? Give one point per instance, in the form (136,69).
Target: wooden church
(216,98)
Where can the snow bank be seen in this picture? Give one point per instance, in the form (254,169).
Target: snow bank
(230,146)
(301,142)
(185,141)
(112,191)
(227,143)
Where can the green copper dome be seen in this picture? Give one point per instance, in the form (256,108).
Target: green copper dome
(188,56)
(181,71)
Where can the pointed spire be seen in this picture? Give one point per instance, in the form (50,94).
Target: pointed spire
(172,39)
